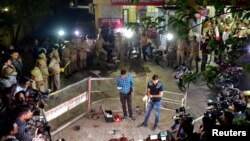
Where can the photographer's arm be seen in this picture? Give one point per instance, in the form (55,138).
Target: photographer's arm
(177,136)
(158,95)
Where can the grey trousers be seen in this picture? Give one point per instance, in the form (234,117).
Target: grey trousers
(126,100)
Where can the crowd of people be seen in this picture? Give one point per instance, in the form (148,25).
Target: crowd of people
(79,54)
(17,88)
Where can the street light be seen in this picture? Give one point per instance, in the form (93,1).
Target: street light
(170,36)
(77,33)
(128,33)
(61,33)
(6,9)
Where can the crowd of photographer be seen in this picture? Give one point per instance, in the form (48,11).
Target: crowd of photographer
(226,112)
(22,98)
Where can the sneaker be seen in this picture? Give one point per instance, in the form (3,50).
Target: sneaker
(154,128)
(132,118)
(142,125)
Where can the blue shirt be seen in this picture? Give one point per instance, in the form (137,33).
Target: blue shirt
(21,134)
(155,90)
(125,84)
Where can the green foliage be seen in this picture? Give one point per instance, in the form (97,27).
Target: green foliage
(211,72)
(189,77)
(246,67)
(148,22)
(28,13)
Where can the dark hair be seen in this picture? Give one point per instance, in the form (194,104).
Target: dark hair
(229,116)
(18,93)
(21,110)
(155,77)
(239,106)
(8,126)
(23,80)
(123,72)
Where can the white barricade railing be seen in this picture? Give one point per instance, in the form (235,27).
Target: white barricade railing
(65,107)
(86,97)
(181,103)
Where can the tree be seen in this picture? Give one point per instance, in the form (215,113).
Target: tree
(23,14)
(187,10)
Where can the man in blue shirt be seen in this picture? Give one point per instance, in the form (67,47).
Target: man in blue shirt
(154,92)
(125,85)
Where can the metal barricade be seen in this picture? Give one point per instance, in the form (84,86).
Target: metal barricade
(75,100)
(172,100)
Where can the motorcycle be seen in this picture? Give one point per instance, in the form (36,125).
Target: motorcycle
(157,55)
(179,77)
(134,51)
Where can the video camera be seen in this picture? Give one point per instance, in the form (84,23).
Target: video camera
(37,99)
(216,109)
(39,125)
(181,114)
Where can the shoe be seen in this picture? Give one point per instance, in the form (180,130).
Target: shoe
(142,125)
(124,117)
(154,128)
(132,118)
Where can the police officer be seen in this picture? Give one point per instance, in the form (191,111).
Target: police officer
(73,57)
(181,47)
(37,77)
(246,95)
(82,54)
(54,68)
(66,55)
(171,51)
(194,53)
(42,61)
(99,43)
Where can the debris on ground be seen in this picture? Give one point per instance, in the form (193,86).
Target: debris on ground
(77,128)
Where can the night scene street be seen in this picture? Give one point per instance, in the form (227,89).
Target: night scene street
(124,70)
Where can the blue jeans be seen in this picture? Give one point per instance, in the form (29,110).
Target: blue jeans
(150,106)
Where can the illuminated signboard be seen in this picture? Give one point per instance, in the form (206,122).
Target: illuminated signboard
(110,22)
(141,2)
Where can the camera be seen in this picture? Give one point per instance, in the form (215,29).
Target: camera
(181,114)
(37,98)
(216,109)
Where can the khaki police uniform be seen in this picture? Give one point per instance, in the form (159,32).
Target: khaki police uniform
(82,55)
(55,69)
(119,47)
(37,77)
(73,56)
(42,60)
(66,56)
(194,54)
(171,53)
(99,49)
(181,47)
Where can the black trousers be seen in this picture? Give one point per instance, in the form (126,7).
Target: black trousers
(203,61)
(126,100)
(144,52)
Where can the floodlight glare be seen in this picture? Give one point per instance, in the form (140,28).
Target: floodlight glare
(61,33)
(170,36)
(127,33)
(6,9)
(77,33)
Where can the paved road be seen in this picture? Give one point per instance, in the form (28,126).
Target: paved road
(196,103)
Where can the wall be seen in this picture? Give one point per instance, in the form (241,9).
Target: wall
(104,9)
